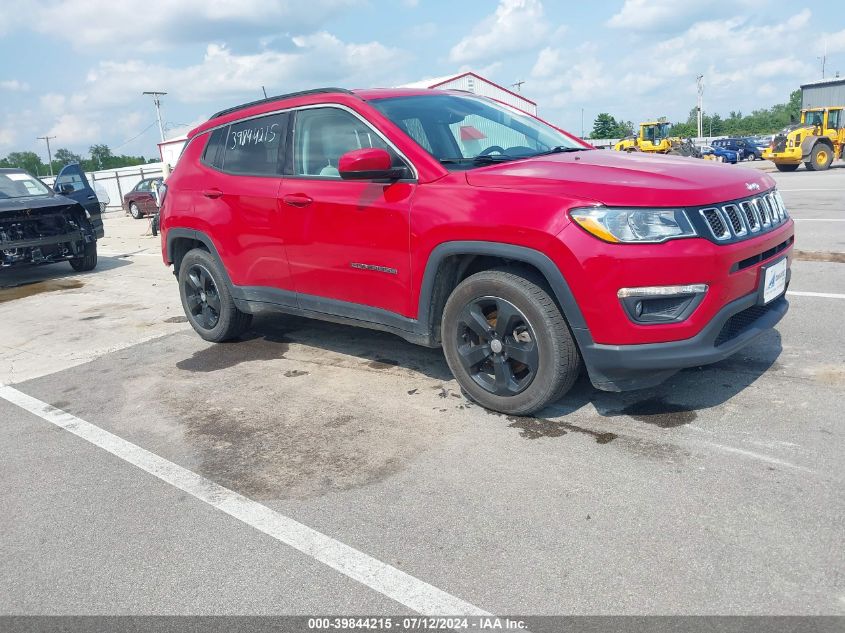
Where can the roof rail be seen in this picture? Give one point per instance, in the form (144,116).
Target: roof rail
(290,95)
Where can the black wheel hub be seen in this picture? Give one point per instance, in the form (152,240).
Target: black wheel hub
(202,297)
(497,346)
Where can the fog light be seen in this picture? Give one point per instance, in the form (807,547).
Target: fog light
(661,304)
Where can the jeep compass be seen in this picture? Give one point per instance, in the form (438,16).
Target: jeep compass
(456,221)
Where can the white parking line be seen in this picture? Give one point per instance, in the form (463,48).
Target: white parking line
(760,456)
(819,219)
(381,577)
(826,295)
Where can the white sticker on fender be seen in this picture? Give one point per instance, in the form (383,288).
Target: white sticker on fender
(775,281)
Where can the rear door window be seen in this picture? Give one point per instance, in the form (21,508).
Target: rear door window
(254,147)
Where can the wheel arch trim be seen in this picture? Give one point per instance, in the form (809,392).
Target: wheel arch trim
(196,235)
(547,268)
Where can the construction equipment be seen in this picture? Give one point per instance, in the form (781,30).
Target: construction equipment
(817,141)
(654,138)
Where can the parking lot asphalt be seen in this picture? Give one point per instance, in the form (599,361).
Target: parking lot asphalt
(718,492)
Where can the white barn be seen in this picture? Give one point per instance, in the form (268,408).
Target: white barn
(471,82)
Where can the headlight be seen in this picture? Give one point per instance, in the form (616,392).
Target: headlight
(634,225)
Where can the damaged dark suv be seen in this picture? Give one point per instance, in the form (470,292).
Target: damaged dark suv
(42,226)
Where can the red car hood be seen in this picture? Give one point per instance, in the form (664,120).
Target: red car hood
(620,179)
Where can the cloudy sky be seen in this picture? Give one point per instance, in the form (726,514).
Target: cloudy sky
(76,68)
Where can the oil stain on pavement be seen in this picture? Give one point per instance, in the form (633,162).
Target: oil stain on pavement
(37,288)
(532,428)
(659,412)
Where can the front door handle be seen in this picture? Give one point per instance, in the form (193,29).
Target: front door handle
(212,193)
(297,199)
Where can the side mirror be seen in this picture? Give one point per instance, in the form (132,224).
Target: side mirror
(368,164)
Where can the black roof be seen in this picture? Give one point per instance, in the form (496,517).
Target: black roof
(289,95)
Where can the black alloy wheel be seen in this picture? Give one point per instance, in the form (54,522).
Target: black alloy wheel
(202,297)
(497,346)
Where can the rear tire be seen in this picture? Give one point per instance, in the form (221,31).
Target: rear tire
(134,211)
(820,158)
(88,261)
(208,304)
(486,354)
(782,167)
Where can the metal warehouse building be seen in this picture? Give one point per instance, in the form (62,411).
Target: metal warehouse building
(479,85)
(824,92)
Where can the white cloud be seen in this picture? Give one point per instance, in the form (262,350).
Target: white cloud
(74,129)
(7,136)
(13,85)
(110,88)
(317,59)
(517,25)
(160,24)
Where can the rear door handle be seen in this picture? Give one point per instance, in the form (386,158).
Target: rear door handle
(92,197)
(297,200)
(212,193)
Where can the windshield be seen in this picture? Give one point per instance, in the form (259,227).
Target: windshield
(21,185)
(469,131)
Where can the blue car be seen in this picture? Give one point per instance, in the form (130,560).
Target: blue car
(722,154)
(747,148)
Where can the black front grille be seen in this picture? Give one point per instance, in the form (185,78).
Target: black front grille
(780,143)
(759,257)
(742,322)
(716,225)
(748,212)
(733,216)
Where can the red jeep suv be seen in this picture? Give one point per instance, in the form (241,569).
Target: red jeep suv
(454,220)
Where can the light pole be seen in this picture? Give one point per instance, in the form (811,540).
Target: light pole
(49,153)
(700,81)
(157,103)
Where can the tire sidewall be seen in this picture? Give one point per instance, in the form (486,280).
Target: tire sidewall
(544,380)
(207,261)
(134,211)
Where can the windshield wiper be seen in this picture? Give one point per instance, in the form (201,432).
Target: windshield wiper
(559,149)
(481,159)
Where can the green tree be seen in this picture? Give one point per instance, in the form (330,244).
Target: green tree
(65,156)
(101,156)
(29,161)
(604,126)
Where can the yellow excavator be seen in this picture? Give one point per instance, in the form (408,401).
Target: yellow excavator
(654,138)
(817,141)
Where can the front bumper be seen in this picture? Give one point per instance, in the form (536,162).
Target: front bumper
(626,367)
(789,156)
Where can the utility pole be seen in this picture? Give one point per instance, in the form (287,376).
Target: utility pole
(157,103)
(700,84)
(49,153)
(823,58)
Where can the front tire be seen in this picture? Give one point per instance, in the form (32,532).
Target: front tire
(88,261)
(206,299)
(820,158)
(507,343)
(134,211)
(782,167)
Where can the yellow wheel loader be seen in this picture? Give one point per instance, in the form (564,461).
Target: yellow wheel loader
(817,141)
(654,138)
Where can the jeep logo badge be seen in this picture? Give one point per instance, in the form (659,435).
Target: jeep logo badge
(752,186)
